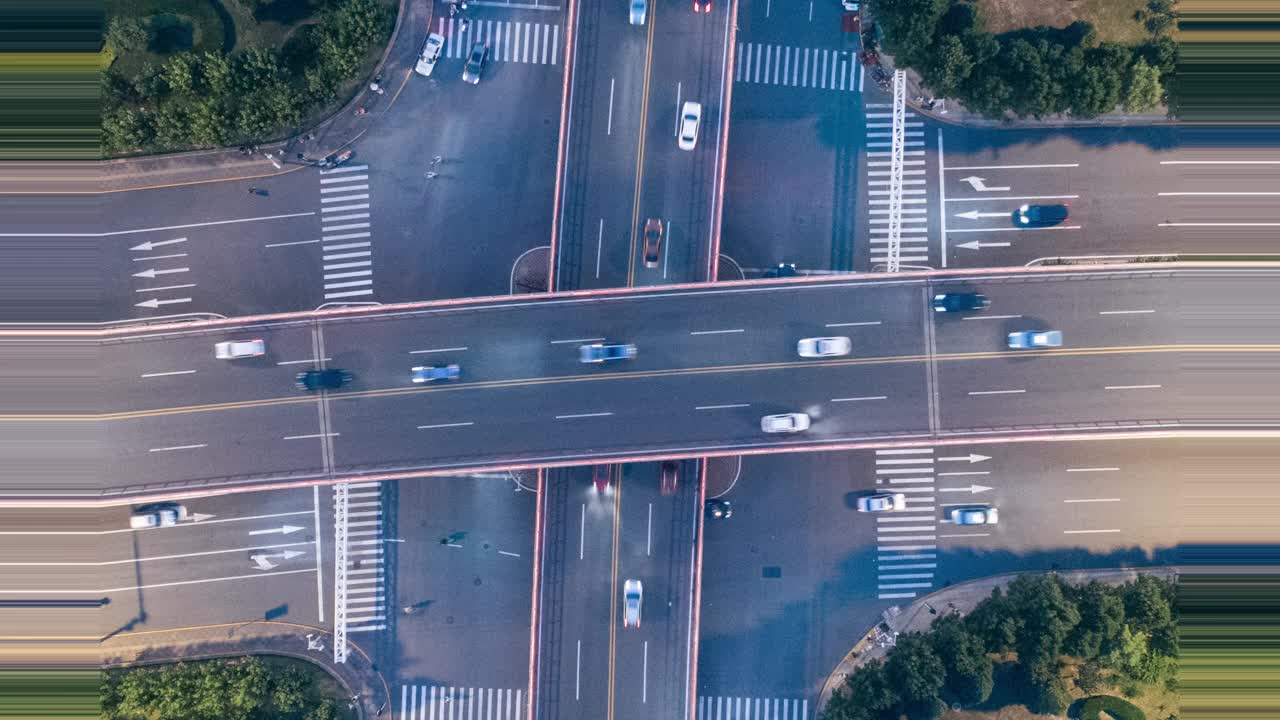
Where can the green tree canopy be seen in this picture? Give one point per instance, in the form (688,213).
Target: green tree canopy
(1048,616)
(969,670)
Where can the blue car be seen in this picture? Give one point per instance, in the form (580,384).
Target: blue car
(1035,339)
(599,352)
(425,374)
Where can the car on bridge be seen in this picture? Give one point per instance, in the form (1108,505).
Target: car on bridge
(718,509)
(975,515)
(1039,215)
(882,502)
(639,11)
(236,349)
(599,352)
(824,347)
(157,515)
(632,597)
(690,119)
(669,481)
(331,379)
(652,242)
(785,423)
(426,374)
(960,302)
(1034,339)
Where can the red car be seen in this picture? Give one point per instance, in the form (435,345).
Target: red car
(601,476)
(670,482)
(702,6)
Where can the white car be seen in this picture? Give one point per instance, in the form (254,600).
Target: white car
(824,347)
(632,597)
(690,118)
(785,423)
(975,515)
(1033,339)
(157,516)
(882,502)
(639,11)
(234,349)
(430,54)
(851,5)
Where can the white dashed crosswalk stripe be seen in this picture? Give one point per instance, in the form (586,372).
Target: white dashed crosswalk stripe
(344,230)
(749,708)
(907,537)
(366,568)
(519,42)
(820,68)
(447,702)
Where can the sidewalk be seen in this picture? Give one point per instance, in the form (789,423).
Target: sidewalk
(961,599)
(335,133)
(357,676)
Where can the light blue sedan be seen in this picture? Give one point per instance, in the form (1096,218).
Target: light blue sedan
(1034,339)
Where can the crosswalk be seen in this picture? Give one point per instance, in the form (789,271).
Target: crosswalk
(906,541)
(522,42)
(747,708)
(821,68)
(366,566)
(446,702)
(913,246)
(344,232)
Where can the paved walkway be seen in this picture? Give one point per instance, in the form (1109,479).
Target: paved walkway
(303,150)
(961,599)
(358,676)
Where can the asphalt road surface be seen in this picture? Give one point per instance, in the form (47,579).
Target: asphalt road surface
(167,407)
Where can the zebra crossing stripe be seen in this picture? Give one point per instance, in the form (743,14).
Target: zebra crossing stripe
(522,42)
(439,702)
(745,708)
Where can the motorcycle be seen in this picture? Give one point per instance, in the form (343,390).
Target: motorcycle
(335,160)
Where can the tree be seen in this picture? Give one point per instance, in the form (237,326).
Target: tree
(969,670)
(1142,87)
(1101,620)
(125,129)
(910,26)
(1048,693)
(180,73)
(866,695)
(289,691)
(1148,606)
(1158,17)
(1047,615)
(994,623)
(917,674)
(948,67)
(324,711)
(127,34)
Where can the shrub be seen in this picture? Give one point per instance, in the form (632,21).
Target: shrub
(1092,708)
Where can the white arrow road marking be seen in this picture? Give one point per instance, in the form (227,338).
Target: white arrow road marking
(154,303)
(262,560)
(970,458)
(283,530)
(150,245)
(197,517)
(153,558)
(979,184)
(978,245)
(152,272)
(972,489)
(974,214)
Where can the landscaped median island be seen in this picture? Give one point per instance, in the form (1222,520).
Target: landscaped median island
(1042,646)
(246,688)
(1032,58)
(186,74)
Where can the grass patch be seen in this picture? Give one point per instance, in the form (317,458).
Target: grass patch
(1113,18)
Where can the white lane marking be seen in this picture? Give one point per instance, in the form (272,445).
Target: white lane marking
(1132,387)
(576,340)
(508,554)
(1014,197)
(577,678)
(964,535)
(315,521)
(126,561)
(436,350)
(1014,167)
(1093,469)
(906,451)
(166,287)
(648,540)
(583,415)
(644,674)
(608,128)
(163,374)
(716,332)
(721,407)
(1230,194)
(308,437)
(299,362)
(296,242)
(1220,162)
(582,532)
(445,425)
(968,472)
(599,246)
(134,588)
(853,324)
(178,447)
(1092,500)
(1089,532)
(996,392)
(1125,312)
(992,317)
(1017,229)
(859,399)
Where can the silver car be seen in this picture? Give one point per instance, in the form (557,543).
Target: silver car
(975,515)
(785,423)
(235,349)
(824,347)
(632,597)
(882,502)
